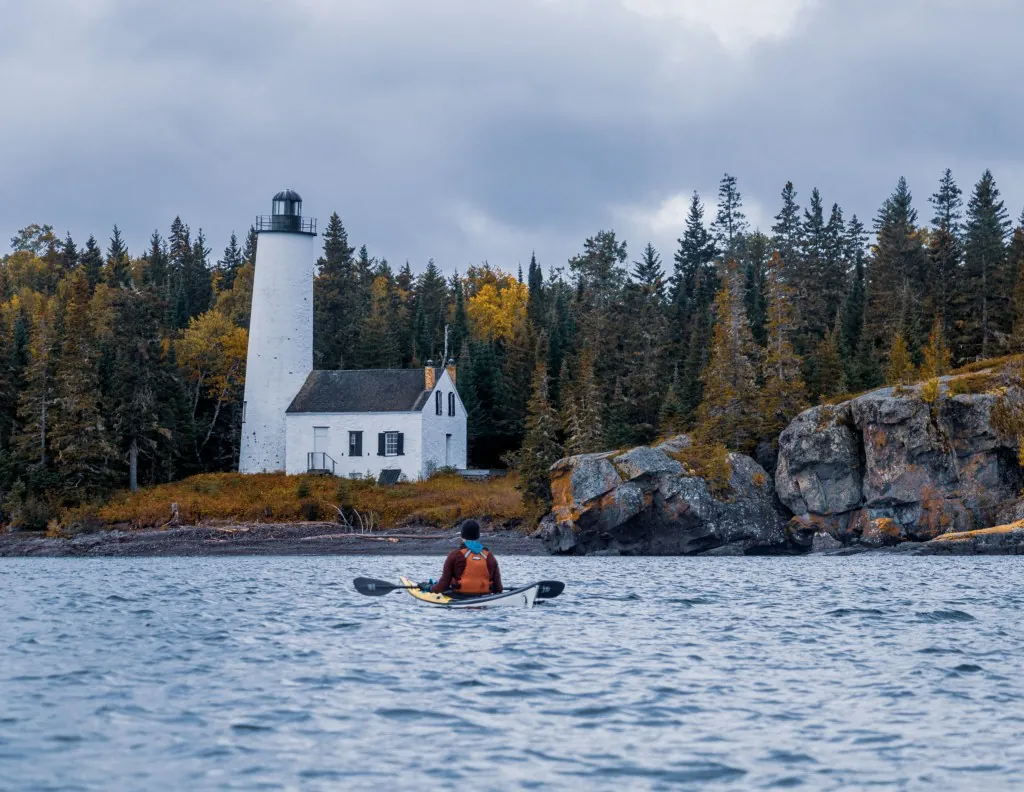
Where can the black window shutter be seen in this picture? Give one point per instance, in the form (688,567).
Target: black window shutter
(380,444)
(401,444)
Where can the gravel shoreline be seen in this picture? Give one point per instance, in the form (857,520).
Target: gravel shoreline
(290,539)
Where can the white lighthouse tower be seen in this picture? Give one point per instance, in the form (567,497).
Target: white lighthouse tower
(280,331)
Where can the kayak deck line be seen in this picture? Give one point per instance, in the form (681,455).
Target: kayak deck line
(516,598)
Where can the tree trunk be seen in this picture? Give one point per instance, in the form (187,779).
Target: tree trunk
(133,466)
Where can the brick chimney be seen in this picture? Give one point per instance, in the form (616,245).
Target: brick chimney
(450,368)
(429,376)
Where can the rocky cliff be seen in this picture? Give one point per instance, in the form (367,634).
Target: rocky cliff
(890,466)
(649,501)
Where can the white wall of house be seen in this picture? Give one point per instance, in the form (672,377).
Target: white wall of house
(439,449)
(302,439)
(430,441)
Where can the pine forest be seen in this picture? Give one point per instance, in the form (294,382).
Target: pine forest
(126,368)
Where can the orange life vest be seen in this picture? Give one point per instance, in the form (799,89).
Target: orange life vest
(476,578)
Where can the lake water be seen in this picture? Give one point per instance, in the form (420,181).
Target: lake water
(272,673)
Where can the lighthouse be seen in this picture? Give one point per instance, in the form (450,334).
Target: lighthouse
(280,356)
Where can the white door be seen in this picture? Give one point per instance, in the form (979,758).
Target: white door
(319,439)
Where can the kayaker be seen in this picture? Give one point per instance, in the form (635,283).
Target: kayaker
(471,570)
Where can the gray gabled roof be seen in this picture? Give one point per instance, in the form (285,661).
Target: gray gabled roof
(367,390)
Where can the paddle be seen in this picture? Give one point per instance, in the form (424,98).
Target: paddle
(546,589)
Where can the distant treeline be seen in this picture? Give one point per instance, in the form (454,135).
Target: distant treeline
(116,367)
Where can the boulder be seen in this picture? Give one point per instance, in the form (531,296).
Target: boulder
(889,467)
(1001,540)
(644,502)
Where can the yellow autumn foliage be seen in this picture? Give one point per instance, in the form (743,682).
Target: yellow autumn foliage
(498,307)
(212,353)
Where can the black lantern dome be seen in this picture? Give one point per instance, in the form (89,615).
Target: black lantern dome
(286,215)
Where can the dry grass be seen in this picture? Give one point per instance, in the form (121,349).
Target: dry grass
(990,363)
(710,462)
(442,500)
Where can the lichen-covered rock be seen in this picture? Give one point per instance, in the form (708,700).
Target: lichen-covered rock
(653,506)
(1001,540)
(888,466)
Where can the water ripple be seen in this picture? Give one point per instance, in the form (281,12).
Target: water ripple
(271,673)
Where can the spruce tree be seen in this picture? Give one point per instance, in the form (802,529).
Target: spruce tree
(672,416)
(1017,262)
(730,227)
(91,261)
(582,415)
(79,441)
(855,301)
(987,283)
(378,345)
(35,402)
(335,334)
(693,286)
(540,445)
(68,254)
(945,253)
(649,273)
(228,266)
(118,275)
(829,369)
(782,395)
(897,272)
(787,228)
(728,413)
(757,258)
(249,251)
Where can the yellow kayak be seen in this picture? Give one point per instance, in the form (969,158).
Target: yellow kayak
(517,598)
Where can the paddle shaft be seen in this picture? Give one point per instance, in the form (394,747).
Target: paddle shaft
(547,589)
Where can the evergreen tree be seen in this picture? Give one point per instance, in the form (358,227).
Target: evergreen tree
(91,261)
(945,252)
(855,302)
(118,273)
(672,416)
(460,319)
(730,226)
(379,347)
(987,283)
(228,266)
(81,446)
(334,341)
(693,287)
(540,444)
(897,272)
(649,273)
(728,412)
(829,369)
(535,283)
(1017,261)
(68,254)
(249,251)
(782,395)
(35,402)
(755,266)
(432,309)
(582,414)
(787,228)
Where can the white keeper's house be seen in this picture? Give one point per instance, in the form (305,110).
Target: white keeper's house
(408,422)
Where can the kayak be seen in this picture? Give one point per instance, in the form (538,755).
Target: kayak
(514,598)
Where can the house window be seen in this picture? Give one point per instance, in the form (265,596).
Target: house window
(451,403)
(355,443)
(390,444)
(437,403)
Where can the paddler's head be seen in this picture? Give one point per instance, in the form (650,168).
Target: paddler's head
(470,531)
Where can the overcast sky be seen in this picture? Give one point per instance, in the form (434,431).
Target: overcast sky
(466,130)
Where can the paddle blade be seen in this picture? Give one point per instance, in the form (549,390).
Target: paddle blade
(549,589)
(374,588)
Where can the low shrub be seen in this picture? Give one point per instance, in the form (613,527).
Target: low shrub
(711,463)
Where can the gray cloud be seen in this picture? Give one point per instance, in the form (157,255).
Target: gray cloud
(465,130)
